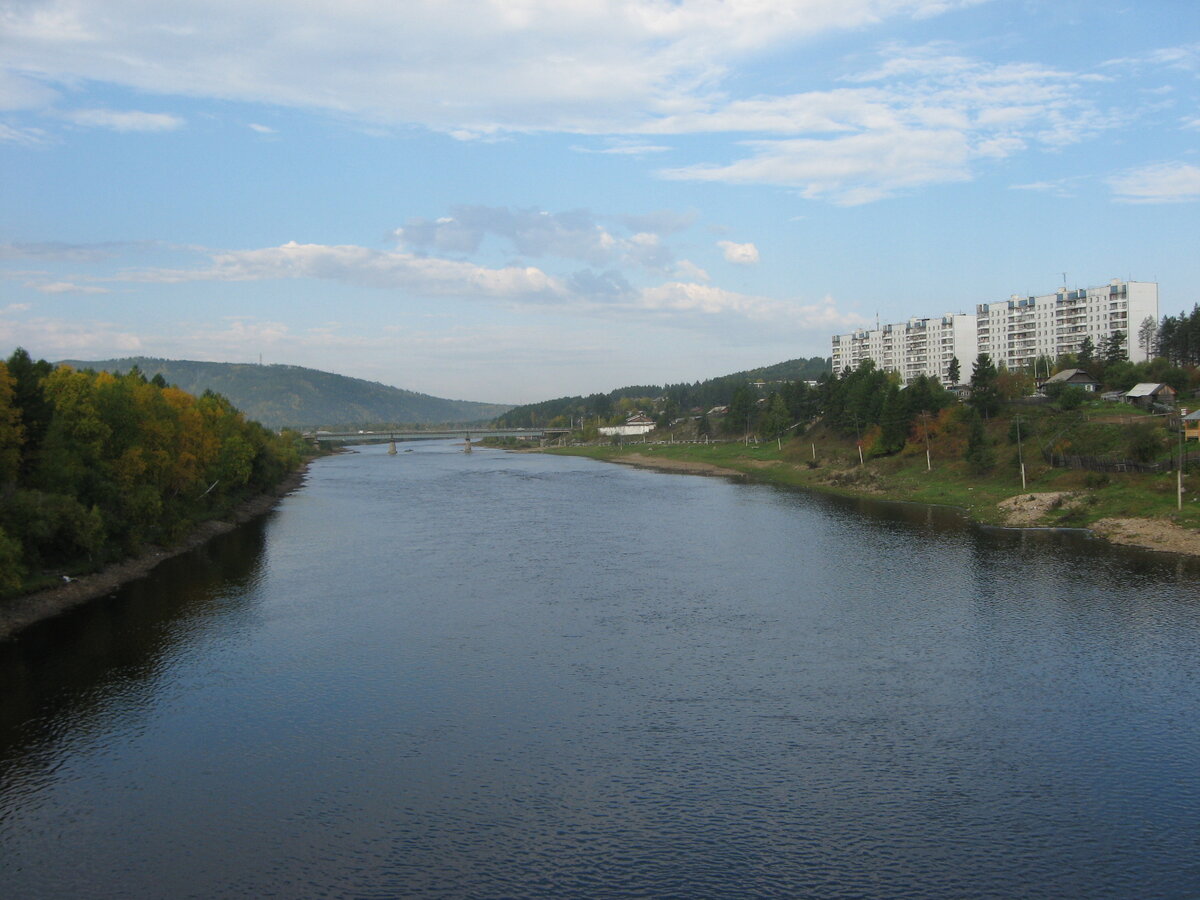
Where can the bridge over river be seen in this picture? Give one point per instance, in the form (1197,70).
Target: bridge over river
(471,434)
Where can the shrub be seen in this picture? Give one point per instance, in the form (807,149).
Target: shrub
(1071,397)
(1145,442)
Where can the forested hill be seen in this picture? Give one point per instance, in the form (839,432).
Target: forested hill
(296,397)
(681,397)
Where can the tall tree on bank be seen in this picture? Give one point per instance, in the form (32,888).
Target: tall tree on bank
(1147,335)
(985,394)
(1113,348)
(1087,351)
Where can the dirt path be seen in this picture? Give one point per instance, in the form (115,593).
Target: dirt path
(21,612)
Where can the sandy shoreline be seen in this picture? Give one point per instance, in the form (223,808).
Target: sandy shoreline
(21,612)
(684,467)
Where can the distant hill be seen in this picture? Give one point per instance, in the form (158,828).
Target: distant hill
(292,396)
(702,394)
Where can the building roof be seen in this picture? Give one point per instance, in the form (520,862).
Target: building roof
(1147,389)
(1068,375)
(1192,416)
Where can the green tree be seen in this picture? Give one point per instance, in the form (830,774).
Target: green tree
(985,394)
(1113,349)
(740,410)
(31,400)
(12,432)
(1087,351)
(776,418)
(954,372)
(1147,336)
(894,422)
(12,565)
(979,456)
(1071,397)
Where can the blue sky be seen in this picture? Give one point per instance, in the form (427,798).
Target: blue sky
(518,199)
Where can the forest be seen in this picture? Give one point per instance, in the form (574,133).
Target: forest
(95,465)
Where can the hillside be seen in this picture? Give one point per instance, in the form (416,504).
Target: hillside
(680,397)
(293,396)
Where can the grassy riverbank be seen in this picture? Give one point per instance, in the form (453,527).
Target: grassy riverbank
(1060,497)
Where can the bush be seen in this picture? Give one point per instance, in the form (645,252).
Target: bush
(54,528)
(1145,442)
(1071,398)
(11,569)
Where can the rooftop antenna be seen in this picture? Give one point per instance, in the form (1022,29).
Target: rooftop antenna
(1064,280)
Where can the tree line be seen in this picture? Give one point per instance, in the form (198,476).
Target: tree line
(94,465)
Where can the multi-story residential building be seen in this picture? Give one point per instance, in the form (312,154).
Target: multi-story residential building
(1014,332)
(913,348)
(1017,331)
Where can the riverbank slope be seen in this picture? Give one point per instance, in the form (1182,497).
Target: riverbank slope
(18,613)
(1131,509)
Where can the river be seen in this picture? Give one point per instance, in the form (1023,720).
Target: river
(441,674)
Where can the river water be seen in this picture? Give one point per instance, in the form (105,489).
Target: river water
(508,675)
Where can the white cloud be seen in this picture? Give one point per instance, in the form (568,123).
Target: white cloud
(686,270)
(924,116)
(58,338)
(1060,187)
(535,233)
(426,276)
(454,65)
(849,171)
(17,307)
(261,129)
(624,148)
(67,287)
(739,254)
(1171,182)
(29,137)
(124,120)
(20,92)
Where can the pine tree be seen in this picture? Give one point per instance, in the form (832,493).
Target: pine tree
(985,396)
(954,371)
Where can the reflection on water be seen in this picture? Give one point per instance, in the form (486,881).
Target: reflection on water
(513,675)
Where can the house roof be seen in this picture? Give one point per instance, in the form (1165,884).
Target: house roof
(1192,416)
(1067,375)
(1147,389)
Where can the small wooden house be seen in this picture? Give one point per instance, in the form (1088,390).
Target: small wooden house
(1191,426)
(1148,393)
(1074,378)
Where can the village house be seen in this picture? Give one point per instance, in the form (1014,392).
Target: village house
(1073,378)
(1191,426)
(638,423)
(1147,394)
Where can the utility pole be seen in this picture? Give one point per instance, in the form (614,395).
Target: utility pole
(1020,452)
(925,428)
(1179,476)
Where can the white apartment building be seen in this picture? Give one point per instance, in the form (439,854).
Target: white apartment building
(1013,332)
(1017,331)
(913,348)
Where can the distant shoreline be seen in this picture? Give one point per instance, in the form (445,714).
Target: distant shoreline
(19,613)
